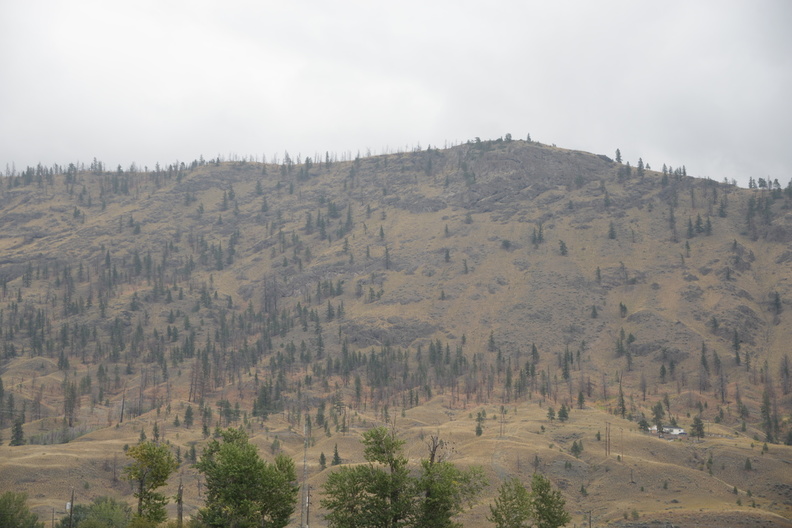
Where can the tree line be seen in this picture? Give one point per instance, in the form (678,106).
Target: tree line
(245,491)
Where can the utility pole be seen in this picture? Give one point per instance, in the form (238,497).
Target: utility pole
(308,507)
(304,505)
(71,509)
(180,506)
(123,403)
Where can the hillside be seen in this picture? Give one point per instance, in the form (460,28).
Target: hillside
(417,288)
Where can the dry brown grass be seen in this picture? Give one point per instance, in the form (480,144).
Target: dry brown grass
(523,295)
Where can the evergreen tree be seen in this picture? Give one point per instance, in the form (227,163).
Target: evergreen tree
(621,407)
(697,429)
(736,346)
(657,416)
(17,434)
(188,416)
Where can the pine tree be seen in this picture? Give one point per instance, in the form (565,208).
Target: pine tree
(736,346)
(17,434)
(621,408)
(188,416)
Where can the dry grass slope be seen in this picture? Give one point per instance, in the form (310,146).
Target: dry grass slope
(207,285)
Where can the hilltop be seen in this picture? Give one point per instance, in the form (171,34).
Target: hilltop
(489,281)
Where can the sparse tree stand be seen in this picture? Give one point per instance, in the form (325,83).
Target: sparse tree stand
(152,465)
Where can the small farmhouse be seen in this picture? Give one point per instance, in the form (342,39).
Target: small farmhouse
(672,431)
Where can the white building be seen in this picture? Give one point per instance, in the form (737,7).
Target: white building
(673,431)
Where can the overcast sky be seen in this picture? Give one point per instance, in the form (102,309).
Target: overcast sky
(707,84)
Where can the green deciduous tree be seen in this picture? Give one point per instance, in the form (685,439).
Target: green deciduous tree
(372,495)
(443,489)
(242,490)
(14,512)
(151,466)
(383,493)
(516,507)
(512,507)
(547,504)
(103,512)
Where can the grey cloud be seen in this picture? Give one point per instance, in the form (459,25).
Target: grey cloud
(703,84)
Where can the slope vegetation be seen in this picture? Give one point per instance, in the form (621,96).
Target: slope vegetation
(434,289)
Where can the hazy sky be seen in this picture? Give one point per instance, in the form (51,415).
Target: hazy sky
(707,84)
